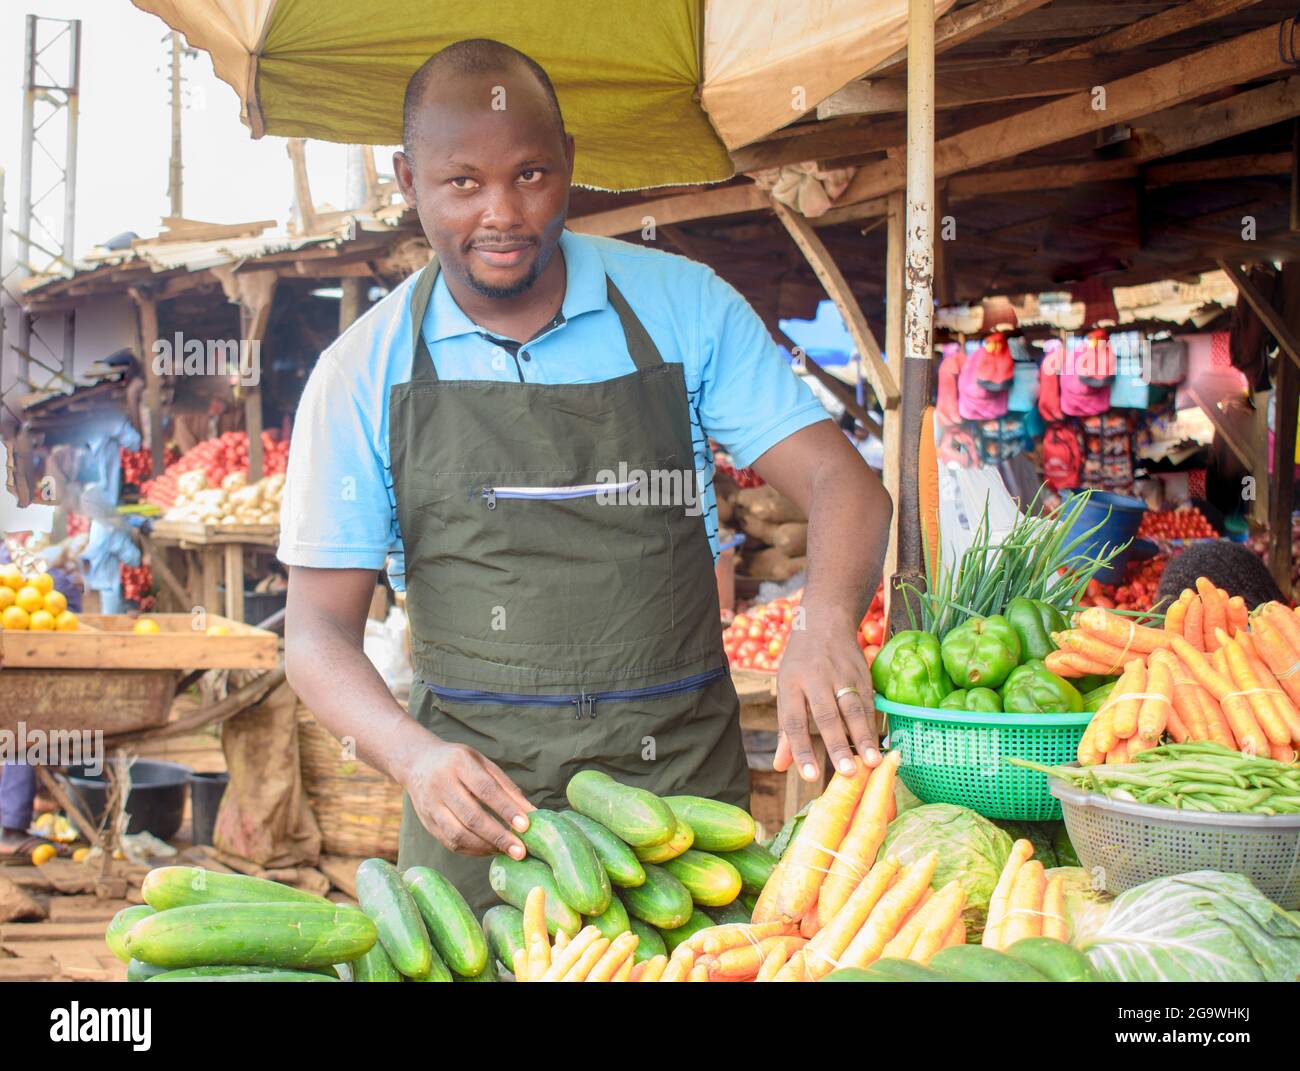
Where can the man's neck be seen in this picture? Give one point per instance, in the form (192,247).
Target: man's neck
(519,317)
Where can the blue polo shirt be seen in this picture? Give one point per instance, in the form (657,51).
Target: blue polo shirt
(338,510)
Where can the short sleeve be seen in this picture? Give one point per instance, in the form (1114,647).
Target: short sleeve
(750,398)
(337,508)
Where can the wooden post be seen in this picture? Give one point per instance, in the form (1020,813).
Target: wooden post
(146,310)
(1286,408)
(918,317)
(895,287)
(254,292)
(353,302)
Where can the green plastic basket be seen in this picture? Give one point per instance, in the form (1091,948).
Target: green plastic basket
(955,756)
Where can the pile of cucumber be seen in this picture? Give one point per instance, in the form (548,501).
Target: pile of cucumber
(199,925)
(1035,959)
(625,859)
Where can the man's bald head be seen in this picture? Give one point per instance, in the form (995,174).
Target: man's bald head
(479,55)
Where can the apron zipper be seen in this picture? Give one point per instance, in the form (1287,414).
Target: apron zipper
(553,494)
(584,701)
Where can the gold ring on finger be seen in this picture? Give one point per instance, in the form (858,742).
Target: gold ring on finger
(848,689)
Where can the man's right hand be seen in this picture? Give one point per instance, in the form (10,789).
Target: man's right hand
(465,800)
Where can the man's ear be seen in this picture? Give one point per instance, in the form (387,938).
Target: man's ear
(405,175)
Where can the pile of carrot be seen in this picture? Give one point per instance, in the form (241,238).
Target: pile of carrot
(1025,902)
(1240,690)
(588,957)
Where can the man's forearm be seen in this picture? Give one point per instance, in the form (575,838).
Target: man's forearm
(331,674)
(848,528)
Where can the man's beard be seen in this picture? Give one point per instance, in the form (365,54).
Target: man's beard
(487,290)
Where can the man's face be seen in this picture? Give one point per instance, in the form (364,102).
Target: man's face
(489,174)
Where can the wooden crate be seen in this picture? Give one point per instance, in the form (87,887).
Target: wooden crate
(77,700)
(108,642)
(200,534)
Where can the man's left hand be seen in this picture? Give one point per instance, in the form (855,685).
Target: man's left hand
(818,663)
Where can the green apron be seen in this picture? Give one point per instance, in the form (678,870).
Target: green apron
(552,631)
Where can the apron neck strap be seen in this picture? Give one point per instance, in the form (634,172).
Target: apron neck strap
(640,346)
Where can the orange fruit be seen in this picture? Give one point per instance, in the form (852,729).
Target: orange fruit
(14,617)
(42,621)
(81,855)
(44,854)
(30,599)
(11,576)
(7,596)
(217,630)
(42,582)
(56,602)
(66,622)
(146,627)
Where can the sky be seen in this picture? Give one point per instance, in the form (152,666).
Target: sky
(125,131)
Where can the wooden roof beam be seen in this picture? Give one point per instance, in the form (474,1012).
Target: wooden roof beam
(1269,316)
(718,201)
(964,24)
(1252,55)
(1162,24)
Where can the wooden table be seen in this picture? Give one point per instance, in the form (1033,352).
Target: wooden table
(213,554)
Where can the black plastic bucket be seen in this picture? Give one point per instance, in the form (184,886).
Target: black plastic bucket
(156,802)
(206,790)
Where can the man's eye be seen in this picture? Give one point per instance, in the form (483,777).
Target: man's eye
(463,183)
(532,174)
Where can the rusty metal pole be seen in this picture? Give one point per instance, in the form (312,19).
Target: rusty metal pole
(918,316)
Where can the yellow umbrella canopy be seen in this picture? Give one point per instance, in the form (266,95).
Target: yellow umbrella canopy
(626,74)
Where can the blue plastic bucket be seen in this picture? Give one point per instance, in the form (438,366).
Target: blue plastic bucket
(1119,517)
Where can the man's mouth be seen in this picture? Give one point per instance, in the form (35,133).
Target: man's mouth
(502,254)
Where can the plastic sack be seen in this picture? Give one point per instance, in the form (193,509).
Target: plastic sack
(385,644)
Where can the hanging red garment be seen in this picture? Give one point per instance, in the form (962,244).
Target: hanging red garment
(949,371)
(1062,457)
(1049,383)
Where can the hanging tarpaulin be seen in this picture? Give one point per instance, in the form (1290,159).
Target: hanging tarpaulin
(627,73)
(766,62)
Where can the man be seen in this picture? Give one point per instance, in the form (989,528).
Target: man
(476,424)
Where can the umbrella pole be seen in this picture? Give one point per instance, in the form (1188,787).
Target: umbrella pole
(918,314)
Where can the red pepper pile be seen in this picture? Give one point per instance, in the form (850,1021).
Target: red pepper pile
(137,583)
(77,524)
(136,464)
(1136,592)
(757,637)
(217,458)
(1188,523)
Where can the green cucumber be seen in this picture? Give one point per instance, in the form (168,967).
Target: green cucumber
(267,935)
(439,972)
(852,974)
(719,827)
(683,837)
(672,938)
(182,886)
(637,817)
(579,875)
(452,925)
(903,970)
(503,926)
(120,925)
(747,900)
(375,966)
(612,921)
(975,963)
(662,901)
(711,881)
(651,941)
(513,879)
(240,973)
(734,912)
(401,929)
(137,970)
(755,865)
(1054,960)
(487,974)
(617,858)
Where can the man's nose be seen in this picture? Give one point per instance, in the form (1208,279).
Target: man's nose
(502,210)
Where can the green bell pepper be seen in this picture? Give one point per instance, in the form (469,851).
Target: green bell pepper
(982,652)
(1034,622)
(909,669)
(1035,689)
(975,700)
(1093,700)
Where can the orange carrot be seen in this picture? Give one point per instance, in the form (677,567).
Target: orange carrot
(774,962)
(809,924)
(1175,727)
(1238,615)
(620,949)
(1054,923)
(717,939)
(1137,743)
(519,965)
(675,970)
(943,910)
(1278,656)
(824,950)
(1118,754)
(699,973)
(819,836)
(535,939)
(654,968)
(765,908)
(1248,682)
(794,970)
(1024,916)
(1021,851)
(591,955)
(1202,671)
(565,960)
(739,963)
(1282,753)
(956,935)
(1091,648)
(1122,632)
(1087,752)
(1176,613)
(887,915)
(1187,706)
(638,969)
(1216,608)
(1217,725)
(1276,695)
(866,832)
(1285,621)
(901,943)
(1134,682)
(1105,737)
(1153,715)
(624,973)
(1073,664)
(1194,624)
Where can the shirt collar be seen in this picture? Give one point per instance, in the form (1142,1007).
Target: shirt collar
(585,291)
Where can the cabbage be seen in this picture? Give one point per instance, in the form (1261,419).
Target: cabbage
(1200,927)
(1086,907)
(972,850)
